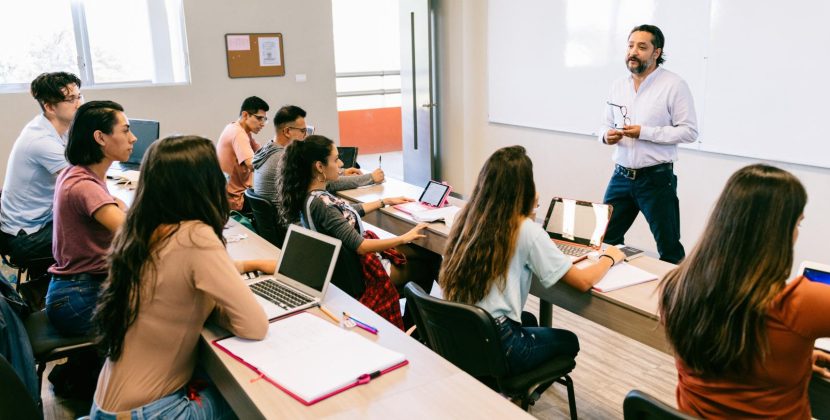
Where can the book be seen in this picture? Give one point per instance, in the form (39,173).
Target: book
(312,359)
(623,275)
(447,214)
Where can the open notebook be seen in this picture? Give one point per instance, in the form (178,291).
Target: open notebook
(311,359)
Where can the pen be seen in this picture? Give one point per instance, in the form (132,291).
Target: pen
(329,314)
(380,160)
(363,325)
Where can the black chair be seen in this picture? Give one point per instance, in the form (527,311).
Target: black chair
(15,400)
(267,218)
(466,335)
(48,344)
(640,406)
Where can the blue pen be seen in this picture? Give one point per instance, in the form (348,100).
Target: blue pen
(360,324)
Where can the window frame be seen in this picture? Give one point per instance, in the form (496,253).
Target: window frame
(161,48)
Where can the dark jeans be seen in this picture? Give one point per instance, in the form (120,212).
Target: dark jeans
(33,251)
(71,301)
(654,192)
(527,347)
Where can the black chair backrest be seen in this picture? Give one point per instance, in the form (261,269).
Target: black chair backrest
(463,334)
(15,401)
(640,406)
(267,220)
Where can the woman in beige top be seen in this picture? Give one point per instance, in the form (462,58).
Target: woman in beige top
(168,271)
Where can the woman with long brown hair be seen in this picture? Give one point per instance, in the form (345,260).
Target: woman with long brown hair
(743,337)
(493,249)
(169,271)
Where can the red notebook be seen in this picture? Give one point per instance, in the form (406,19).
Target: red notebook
(312,359)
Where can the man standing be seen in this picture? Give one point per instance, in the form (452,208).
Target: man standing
(648,114)
(236,147)
(290,125)
(36,159)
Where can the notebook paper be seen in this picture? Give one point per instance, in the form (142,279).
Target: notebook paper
(312,358)
(623,275)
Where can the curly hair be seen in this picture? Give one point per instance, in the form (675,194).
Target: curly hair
(295,174)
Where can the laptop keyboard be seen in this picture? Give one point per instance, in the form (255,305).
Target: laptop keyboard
(279,294)
(573,251)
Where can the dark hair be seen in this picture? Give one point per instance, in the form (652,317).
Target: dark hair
(184,167)
(286,115)
(296,174)
(657,38)
(252,104)
(483,238)
(48,88)
(714,304)
(81,149)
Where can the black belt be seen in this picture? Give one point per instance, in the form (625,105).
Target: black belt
(632,174)
(81,277)
(501,320)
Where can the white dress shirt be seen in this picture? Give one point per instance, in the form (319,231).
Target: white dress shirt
(664,109)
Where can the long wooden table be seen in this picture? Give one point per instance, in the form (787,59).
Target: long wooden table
(428,387)
(631,311)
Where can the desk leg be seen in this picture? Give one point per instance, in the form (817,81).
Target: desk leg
(545,313)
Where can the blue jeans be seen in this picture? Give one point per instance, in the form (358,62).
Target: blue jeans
(529,347)
(70,302)
(654,192)
(178,406)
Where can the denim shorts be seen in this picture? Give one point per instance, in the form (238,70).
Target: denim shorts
(70,302)
(529,347)
(209,405)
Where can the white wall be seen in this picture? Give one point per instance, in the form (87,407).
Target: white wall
(574,165)
(212,99)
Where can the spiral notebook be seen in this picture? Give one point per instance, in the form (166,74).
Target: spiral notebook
(312,359)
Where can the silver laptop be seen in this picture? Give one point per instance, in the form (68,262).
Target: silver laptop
(577,227)
(303,274)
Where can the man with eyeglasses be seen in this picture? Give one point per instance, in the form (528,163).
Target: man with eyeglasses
(290,125)
(236,147)
(36,160)
(648,113)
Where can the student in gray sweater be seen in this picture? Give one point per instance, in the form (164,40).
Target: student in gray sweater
(290,125)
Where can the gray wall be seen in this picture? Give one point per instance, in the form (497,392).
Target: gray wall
(574,165)
(212,99)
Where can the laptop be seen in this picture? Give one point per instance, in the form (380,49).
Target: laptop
(577,227)
(348,155)
(434,196)
(303,274)
(146,132)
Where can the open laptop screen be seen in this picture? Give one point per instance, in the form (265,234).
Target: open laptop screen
(306,259)
(146,132)
(581,222)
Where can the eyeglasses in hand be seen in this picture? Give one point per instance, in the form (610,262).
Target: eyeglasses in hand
(623,111)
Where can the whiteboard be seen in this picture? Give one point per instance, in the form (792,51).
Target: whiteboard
(758,71)
(768,84)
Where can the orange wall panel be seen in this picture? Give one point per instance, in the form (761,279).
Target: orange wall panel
(371,130)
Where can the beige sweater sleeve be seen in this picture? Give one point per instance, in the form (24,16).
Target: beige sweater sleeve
(214,274)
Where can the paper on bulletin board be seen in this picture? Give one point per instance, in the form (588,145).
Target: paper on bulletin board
(269,52)
(239,43)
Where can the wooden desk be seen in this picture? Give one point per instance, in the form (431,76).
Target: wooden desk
(428,387)
(631,311)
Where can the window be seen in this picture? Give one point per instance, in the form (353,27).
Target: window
(106,43)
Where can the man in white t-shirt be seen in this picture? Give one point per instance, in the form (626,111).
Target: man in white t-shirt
(36,159)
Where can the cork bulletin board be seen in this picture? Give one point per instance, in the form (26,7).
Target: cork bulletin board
(254,55)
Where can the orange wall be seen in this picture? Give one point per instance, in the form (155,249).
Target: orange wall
(371,130)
